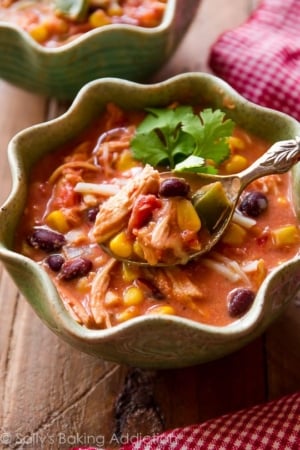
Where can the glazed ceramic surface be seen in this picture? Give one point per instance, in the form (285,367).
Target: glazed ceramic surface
(150,341)
(123,51)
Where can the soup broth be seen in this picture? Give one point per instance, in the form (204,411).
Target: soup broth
(57,231)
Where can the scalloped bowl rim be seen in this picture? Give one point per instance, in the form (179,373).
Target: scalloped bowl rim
(90,35)
(238,328)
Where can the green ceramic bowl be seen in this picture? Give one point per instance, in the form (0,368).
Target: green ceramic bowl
(149,341)
(124,51)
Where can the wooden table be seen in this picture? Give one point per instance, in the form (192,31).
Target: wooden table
(53,396)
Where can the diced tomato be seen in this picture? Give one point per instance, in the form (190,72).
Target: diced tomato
(65,196)
(142,210)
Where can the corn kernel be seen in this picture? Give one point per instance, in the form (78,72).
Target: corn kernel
(130,272)
(39,33)
(121,246)
(163,309)
(236,164)
(285,235)
(234,235)
(115,9)
(98,18)
(261,271)
(83,285)
(128,313)
(133,296)
(236,143)
(138,249)
(57,220)
(56,25)
(187,217)
(126,161)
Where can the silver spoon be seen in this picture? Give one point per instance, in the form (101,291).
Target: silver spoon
(279,158)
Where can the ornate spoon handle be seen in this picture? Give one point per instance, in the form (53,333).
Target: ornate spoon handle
(278,159)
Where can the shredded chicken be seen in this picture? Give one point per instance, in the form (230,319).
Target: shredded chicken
(160,239)
(114,213)
(98,292)
(70,166)
(78,312)
(269,184)
(175,283)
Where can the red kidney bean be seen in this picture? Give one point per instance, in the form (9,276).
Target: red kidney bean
(55,262)
(173,187)
(46,240)
(75,268)
(239,301)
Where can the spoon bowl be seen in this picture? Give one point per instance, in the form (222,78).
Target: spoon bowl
(215,198)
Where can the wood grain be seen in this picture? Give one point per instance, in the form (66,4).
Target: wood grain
(53,396)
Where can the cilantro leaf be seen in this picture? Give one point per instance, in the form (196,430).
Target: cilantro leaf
(210,132)
(191,164)
(195,164)
(148,148)
(182,146)
(165,118)
(161,130)
(171,137)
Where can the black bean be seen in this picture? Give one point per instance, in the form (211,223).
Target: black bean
(173,187)
(75,268)
(253,204)
(55,262)
(91,213)
(46,240)
(239,301)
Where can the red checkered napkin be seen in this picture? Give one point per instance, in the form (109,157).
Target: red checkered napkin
(261,58)
(271,426)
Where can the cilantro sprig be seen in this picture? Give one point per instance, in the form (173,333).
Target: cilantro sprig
(183,140)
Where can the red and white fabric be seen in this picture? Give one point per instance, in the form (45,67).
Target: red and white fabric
(261,58)
(271,426)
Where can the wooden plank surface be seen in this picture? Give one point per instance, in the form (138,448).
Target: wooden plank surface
(53,396)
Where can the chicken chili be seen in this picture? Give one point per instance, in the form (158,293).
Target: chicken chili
(52,23)
(107,186)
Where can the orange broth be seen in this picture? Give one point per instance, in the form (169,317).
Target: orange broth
(165,291)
